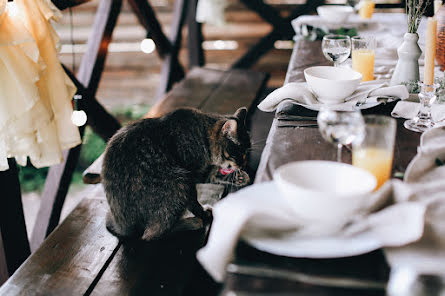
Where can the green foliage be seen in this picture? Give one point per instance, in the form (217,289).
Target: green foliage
(317,33)
(32,179)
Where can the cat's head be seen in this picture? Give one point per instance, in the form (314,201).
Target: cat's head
(232,141)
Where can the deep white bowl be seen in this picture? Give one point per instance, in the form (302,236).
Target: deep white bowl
(332,85)
(324,195)
(335,13)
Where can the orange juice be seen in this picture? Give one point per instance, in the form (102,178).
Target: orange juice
(375,160)
(363,62)
(366,9)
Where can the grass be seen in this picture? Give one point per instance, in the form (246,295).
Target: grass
(32,179)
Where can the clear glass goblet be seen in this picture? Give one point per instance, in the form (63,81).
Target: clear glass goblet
(336,48)
(341,127)
(423,120)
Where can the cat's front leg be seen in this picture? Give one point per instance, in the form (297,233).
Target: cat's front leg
(195,207)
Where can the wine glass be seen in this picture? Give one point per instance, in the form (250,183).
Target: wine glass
(341,127)
(336,48)
(423,120)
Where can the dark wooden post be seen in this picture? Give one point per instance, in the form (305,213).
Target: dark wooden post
(195,39)
(12,221)
(90,71)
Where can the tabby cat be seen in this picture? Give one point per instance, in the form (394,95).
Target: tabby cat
(151,167)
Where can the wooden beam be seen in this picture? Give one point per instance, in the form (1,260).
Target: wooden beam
(195,39)
(92,64)
(12,221)
(147,17)
(171,70)
(267,42)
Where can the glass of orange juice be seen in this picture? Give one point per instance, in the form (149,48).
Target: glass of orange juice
(375,152)
(366,8)
(363,56)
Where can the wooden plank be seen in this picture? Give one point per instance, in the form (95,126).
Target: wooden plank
(71,258)
(190,92)
(92,174)
(240,88)
(12,221)
(157,268)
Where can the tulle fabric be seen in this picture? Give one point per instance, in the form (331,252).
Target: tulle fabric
(35,92)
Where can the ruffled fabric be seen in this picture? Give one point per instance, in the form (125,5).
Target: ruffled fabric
(35,92)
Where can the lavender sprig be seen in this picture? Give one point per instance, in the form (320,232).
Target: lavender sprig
(415,9)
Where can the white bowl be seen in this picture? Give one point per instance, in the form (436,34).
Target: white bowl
(332,85)
(324,195)
(335,13)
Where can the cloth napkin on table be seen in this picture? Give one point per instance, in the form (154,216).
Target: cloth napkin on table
(409,109)
(299,93)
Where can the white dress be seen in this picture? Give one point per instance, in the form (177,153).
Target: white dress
(35,92)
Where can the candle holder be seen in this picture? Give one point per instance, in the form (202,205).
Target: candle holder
(423,120)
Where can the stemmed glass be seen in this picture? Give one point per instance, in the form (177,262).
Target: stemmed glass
(423,120)
(336,48)
(341,127)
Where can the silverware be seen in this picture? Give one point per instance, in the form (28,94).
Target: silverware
(296,125)
(295,118)
(326,281)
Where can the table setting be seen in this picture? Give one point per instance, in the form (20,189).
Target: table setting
(353,163)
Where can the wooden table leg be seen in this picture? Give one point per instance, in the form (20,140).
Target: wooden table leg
(12,221)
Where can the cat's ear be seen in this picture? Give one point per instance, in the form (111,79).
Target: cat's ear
(229,129)
(241,114)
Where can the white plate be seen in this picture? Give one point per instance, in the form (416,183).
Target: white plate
(292,244)
(341,107)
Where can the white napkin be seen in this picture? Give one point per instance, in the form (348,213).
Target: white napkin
(299,93)
(211,12)
(246,210)
(408,110)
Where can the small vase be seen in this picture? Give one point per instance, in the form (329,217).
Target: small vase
(407,68)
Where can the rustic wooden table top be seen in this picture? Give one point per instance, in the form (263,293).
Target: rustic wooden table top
(291,144)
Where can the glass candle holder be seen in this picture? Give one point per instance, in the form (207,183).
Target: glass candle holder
(423,120)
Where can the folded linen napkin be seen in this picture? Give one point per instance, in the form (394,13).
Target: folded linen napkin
(300,94)
(409,109)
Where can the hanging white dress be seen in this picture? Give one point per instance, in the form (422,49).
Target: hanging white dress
(35,92)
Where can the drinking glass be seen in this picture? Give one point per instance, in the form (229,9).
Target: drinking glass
(340,127)
(363,56)
(375,152)
(336,48)
(366,9)
(423,120)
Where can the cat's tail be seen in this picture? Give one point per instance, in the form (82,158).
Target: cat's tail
(112,227)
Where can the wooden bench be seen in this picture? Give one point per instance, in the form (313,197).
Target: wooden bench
(80,257)
(209,90)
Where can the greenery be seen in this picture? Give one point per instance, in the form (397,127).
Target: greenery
(439,162)
(32,179)
(415,10)
(317,33)
(414,88)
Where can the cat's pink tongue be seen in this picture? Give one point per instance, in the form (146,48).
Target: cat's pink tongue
(225,171)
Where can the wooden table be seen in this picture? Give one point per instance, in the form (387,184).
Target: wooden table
(291,144)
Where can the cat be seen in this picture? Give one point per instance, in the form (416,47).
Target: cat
(151,168)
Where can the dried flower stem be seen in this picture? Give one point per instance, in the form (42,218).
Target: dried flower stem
(415,9)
